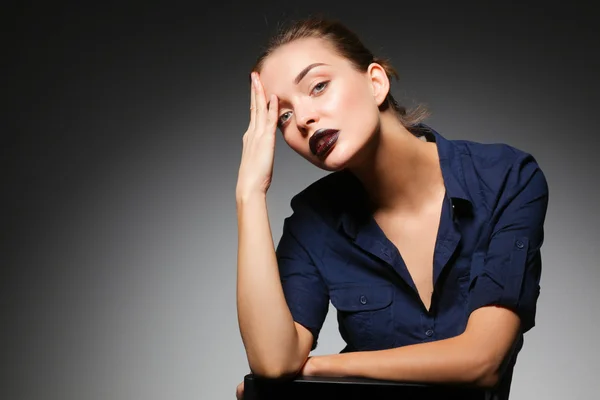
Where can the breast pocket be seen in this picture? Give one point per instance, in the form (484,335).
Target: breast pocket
(365,315)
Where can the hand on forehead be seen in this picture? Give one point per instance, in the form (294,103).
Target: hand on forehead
(285,69)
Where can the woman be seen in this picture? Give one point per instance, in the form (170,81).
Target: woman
(428,248)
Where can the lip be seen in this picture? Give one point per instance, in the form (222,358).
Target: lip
(318,135)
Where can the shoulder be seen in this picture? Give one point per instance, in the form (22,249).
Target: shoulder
(498,175)
(491,155)
(497,166)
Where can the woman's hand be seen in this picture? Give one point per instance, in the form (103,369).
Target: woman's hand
(239,391)
(331,365)
(310,368)
(256,167)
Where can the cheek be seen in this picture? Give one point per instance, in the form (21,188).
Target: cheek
(297,143)
(352,102)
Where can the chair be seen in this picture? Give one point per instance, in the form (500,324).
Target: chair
(329,388)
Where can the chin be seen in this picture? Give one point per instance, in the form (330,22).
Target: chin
(338,159)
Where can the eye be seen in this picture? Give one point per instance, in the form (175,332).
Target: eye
(319,87)
(284,117)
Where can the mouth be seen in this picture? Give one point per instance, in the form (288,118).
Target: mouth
(322,141)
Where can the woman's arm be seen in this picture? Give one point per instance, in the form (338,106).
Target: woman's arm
(502,301)
(275,344)
(474,357)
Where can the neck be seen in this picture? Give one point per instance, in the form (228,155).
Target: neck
(399,171)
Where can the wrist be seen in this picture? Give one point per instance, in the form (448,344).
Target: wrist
(326,365)
(334,365)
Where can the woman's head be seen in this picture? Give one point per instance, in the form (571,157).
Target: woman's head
(342,86)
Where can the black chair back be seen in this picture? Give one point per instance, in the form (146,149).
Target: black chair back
(320,388)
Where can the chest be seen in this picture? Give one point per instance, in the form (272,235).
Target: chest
(415,239)
(377,296)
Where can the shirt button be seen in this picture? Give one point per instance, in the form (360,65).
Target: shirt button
(363,299)
(519,244)
(429,333)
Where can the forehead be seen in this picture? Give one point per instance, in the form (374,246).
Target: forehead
(283,65)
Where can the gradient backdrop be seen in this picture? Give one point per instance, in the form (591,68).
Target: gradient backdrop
(119,161)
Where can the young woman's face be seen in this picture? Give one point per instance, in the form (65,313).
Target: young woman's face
(323,97)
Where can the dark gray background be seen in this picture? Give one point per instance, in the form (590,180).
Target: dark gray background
(119,160)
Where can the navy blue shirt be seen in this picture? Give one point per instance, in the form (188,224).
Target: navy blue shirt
(487,252)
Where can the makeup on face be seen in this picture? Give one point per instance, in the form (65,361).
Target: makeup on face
(322,141)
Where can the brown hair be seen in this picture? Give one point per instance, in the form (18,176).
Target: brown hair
(347,44)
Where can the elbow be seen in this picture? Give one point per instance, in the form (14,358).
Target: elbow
(273,369)
(488,380)
(272,372)
(276,362)
(486,373)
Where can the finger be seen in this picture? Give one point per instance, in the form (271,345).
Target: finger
(252,101)
(239,391)
(272,113)
(261,103)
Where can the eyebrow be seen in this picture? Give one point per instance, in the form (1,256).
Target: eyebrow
(302,74)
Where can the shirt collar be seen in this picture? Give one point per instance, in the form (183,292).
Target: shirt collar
(452,172)
(451,165)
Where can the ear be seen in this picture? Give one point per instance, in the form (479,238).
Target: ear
(380,82)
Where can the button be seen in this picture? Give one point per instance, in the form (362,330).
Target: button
(363,299)
(519,244)
(429,333)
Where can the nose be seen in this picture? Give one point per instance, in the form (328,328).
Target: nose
(305,118)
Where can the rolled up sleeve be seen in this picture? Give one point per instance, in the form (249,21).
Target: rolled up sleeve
(507,271)
(305,292)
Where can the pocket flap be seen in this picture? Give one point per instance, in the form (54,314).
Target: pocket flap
(361,298)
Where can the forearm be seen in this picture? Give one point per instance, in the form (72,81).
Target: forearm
(266,324)
(444,361)
(478,356)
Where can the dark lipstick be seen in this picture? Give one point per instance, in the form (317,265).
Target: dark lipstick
(322,141)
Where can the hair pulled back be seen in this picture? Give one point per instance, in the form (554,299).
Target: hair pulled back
(348,45)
